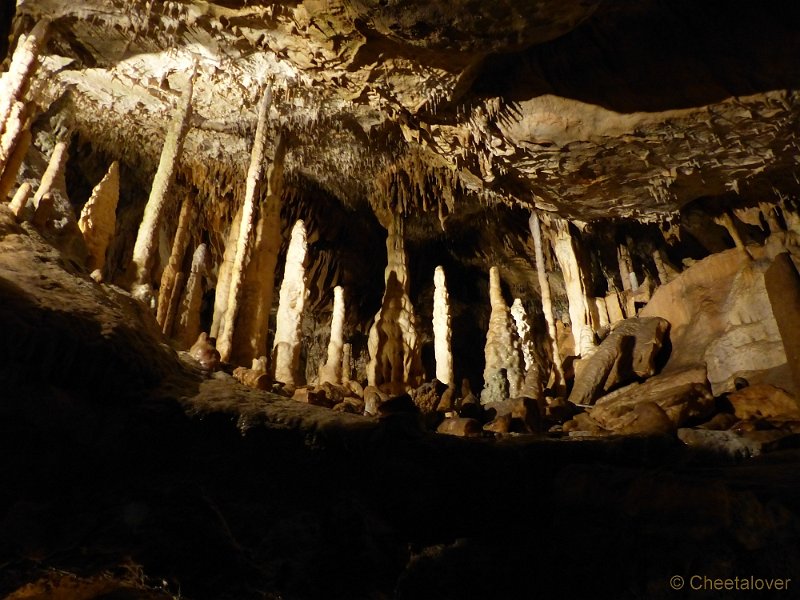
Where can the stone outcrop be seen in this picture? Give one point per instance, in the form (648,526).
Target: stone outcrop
(721,319)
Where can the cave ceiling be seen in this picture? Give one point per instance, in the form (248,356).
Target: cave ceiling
(587,108)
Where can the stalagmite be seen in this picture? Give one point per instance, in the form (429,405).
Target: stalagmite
(250,328)
(180,243)
(579,314)
(665,274)
(99,219)
(625,267)
(146,246)
(55,169)
(244,242)
(331,371)
(503,373)
(520,317)
(173,303)
(441,329)
(395,362)
(187,327)
(547,303)
(347,362)
(9,177)
(224,277)
(13,87)
(20,200)
(292,297)
(726,221)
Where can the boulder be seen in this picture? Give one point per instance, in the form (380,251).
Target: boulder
(721,318)
(205,353)
(736,446)
(629,352)
(500,424)
(460,426)
(764,401)
(373,398)
(252,378)
(682,396)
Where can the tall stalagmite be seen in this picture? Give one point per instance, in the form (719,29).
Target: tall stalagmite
(187,327)
(98,220)
(146,246)
(547,303)
(331,371)
(53,173)
(579,307)
(9,177)
(250,330)
(524,334)
(292,298)
(503,373)
(395,362)
(167,290)
(244,242)
(441,329)
(14,86)
(223,288)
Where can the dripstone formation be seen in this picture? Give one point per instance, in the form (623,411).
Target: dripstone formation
(553,224)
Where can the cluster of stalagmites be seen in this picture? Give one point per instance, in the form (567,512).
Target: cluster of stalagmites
(714,344)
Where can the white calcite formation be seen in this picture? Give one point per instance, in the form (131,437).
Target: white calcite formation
(187,327)
(98,220)
(170,291)
(394,354)
(224,277)
(331,370)
(503,374)
(524,332)
(244,242)
(547,303)
(292,298)
(146,246)
(579,311)
(441,329)
(14,86)
(250,332)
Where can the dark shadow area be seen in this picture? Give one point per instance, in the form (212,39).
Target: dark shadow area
(658,55)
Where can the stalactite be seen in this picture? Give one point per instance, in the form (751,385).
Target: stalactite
(13,87)
(20,200)
(250,329)
(244,242)
(292,297)
(664,276)
(331,371)
(502,374)
(146,246)
(547,303)
(768,210)
(625,267)
(441,329)
(395,361)
(579,314)
(187,327)
(168,286)
(99,219)
(9,177)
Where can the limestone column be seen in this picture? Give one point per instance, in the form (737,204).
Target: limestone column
(547,303)
(441,329)
(579,314)
(146,246)
(331,371)
(252,323)
(292,298)
(98,220)
(244,241)
(395,361)
(223,288)
(625,268)
(14,85)
(168,289)
(502,374)
(187,328)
